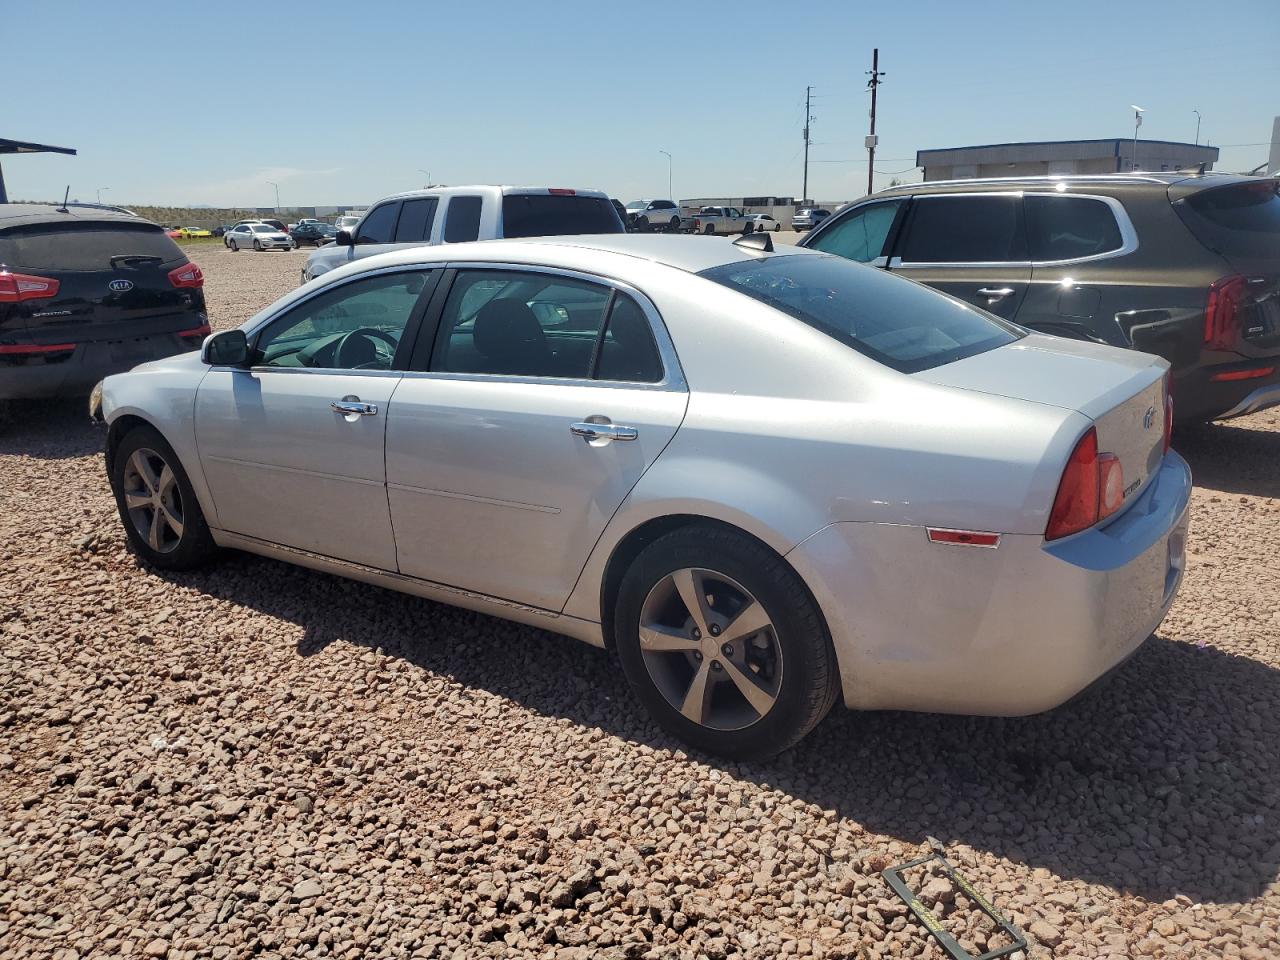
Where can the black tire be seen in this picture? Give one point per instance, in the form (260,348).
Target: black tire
(777,227)
(642,224)
(194,546)
(809,683)
(234,247)
(674,225)
(710,228)
(257,245)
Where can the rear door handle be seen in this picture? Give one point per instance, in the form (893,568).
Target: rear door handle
(603,431)
(352,407)
(995,293)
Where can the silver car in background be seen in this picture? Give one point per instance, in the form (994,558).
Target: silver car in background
(258,236)
(767,479)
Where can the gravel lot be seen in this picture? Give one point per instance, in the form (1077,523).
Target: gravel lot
(261,760)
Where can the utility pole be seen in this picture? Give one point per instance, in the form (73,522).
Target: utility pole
(670,195)
(1197,113)
(873,84)
(804,193)
(1137,122)
(277,186)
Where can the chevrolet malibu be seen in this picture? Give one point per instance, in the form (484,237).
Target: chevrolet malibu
(766,479)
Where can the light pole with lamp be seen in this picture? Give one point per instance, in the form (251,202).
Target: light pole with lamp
(670,195)
(277,186)
(1137,122)
(100,189)
(428,173)
(1197,113)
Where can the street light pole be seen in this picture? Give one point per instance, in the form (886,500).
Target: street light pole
(1197,113)
(100,189)
(1137,122)
(428,173)
(277,186)
(670,196)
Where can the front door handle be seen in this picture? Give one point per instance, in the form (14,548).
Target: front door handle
(352,407)
(995,293)
(603,431)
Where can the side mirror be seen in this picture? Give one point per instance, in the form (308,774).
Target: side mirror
(344,239)
(230,348)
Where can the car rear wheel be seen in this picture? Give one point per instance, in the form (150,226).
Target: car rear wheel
(722,643)
(257,245)
(711,228)
(674,225)
(157,504)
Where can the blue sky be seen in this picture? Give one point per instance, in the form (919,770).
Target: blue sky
(346,102)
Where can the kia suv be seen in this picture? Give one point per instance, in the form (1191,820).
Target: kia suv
(89,292)
(1183,266)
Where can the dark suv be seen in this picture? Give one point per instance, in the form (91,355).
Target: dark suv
(89,292)
(316,234)
(1183,266)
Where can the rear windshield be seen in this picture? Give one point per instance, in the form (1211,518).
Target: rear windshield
(900,323)
(548,215)
(1240,222)
(83,246)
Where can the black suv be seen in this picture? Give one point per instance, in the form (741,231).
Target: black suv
(89,292)
(1183,266)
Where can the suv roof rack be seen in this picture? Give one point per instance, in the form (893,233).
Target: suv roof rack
(1108,177)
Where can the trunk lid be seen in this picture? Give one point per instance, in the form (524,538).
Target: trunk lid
(1121,391)
(113,281)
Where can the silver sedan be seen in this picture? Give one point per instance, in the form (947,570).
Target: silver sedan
(767,479)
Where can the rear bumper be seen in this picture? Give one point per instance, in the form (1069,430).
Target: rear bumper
(89,363)
(1197,397)
(1004,632)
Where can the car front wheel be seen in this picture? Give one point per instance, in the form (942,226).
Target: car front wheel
(722,643)
(234,247)
(157,504)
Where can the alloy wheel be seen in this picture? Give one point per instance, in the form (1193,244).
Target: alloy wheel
(711,649)
(153,500)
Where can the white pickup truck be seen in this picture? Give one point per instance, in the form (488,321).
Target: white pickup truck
(459,214)
(718,220)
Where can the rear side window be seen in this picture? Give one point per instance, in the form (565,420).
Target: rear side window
(547,215)
(83,246)
(462,221)
(1068,228)
(861,233)
(905,326)
(416,217)
(1240,221)
(379,224)
(945,229)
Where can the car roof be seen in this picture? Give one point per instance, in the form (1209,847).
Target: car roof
(692,254)
(24,214)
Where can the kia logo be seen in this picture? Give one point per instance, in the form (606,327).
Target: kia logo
(121,286)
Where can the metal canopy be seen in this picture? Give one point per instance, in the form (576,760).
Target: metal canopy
(22,146)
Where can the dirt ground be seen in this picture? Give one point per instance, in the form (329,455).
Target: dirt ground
(258,760)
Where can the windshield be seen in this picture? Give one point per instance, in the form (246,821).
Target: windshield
(547,215)
(263,228)
(83,245)
(901,324)
(637,204)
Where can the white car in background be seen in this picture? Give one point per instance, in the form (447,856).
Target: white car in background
(258,236)
(765,223)
(767,479)
(462,214)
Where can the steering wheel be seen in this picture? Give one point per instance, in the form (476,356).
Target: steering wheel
(347,345)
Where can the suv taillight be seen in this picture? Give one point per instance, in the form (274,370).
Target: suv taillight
(1091,489)
(16,287)
(187,275)
(1222,313)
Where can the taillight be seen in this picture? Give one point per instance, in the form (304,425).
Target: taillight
(1222,313)
(31,349)
(203,331)
(1110,484)
(1168,412)
(561,192)
(1076,506)
(16,287)
(187,275)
